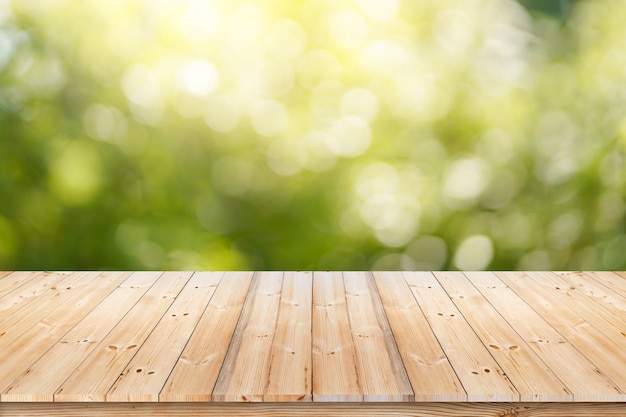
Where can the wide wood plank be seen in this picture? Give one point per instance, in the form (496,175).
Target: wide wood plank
(334,366)
(40,380)
(571,324)
(96,374)
(290,409)
(290,364)
(527,372)
(14,280)
(482,378)
(582,378)
(46,327)
(380,370)
(244,374)
(430,373)
(145,375)
(194,375)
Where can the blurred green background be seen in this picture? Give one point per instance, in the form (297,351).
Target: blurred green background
(314,134)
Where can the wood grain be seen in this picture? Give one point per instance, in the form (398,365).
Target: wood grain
(570,320)
(314,409)
(194,375)
(97,373)
(527,372)
(379,367)
(430,373)
(290,364)
(313,343)
(335,375)
(40,380)
(13,281)
(145,375)
(43,328)
(482,377)
(244,374)
(583,379)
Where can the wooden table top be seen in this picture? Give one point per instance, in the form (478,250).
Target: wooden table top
(312,336)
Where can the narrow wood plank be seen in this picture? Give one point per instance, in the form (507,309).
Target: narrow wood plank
(527,372)
(145,375)
(480,409)
(97,373)
(13,281)
(381,374)
(334,366)
(194,375)
(582,378)
(290,364)
(41,379)
(430,373)
(5,273)
(46,327)
(244,374)
(609,357)
(616,281)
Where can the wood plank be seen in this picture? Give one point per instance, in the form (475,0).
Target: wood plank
(601,293)
(566,318)
(96,374)
(41,379)
(244,374)
(480,409)
(430,373)
(194,375)
(145,375)
(527,372)
(334,367)
(12,281)
(290,364)
(5,273)
(616,281)
(581,296)
(584,380)
(481,376)
(46,327)
(380,370)
(32,286)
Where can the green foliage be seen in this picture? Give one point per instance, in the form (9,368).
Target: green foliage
(365,134)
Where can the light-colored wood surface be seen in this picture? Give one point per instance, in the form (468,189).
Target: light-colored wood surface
(290,366)
(96,374)
(407,343)
(430,373)
(244,374)
(40,380)
(194,375)
(147,372)
(379,366)
(570,320)
(334,357)
(294,409)
(481,376)
(533,379)
(581,377)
